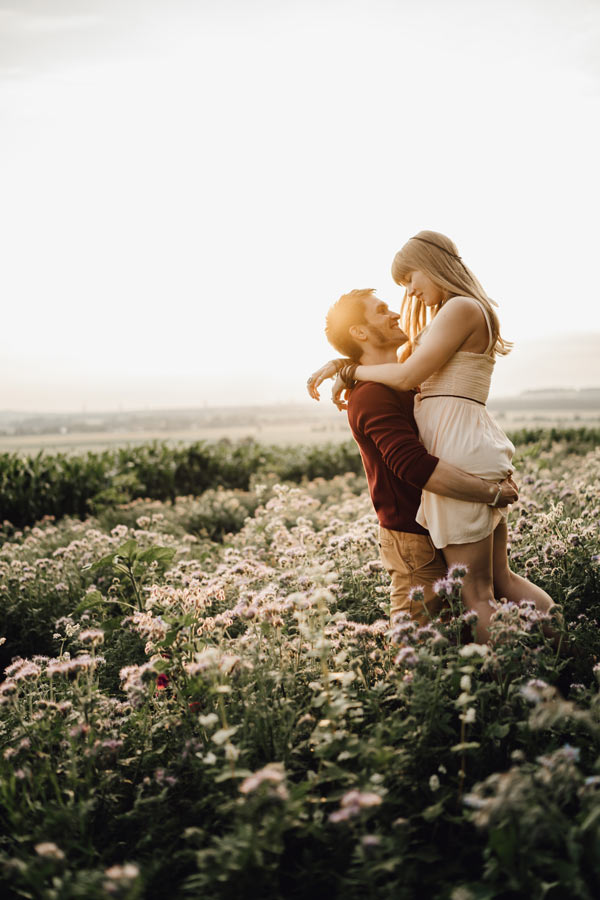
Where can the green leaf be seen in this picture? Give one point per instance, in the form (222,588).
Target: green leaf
(227,775)
(591,819)
(157,554)
(499,730)
(169,638)
(433,812)
(107,560)
(479,891)
(503,842)
(128,550)
(346,754)
(91,599)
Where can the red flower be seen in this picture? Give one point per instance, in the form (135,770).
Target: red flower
(162,681)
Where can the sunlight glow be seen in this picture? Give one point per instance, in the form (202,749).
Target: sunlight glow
(185,195)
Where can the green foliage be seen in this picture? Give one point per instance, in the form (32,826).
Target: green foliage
(63,485)
(210,701)
(562,441)
(133,567)
(76,485)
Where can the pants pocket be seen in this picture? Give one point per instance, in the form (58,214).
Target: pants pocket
(422,553)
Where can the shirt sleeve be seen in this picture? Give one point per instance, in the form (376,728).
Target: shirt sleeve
(383,416)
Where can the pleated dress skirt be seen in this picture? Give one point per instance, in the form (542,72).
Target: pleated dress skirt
(461,432)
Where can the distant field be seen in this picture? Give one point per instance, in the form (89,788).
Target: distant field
(266,434)
(510,420)
(334,430)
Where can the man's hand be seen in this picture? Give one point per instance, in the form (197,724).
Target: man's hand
(510,492)
(327,371)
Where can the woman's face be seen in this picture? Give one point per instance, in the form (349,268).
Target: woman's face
(420,285)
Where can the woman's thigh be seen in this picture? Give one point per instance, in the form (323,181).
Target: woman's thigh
(477,557)
(478,586)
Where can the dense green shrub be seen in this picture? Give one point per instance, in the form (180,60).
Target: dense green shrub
(64,485)
(573,440)
(77,485)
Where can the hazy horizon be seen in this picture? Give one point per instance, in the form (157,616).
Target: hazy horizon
(543,365)
(187,186)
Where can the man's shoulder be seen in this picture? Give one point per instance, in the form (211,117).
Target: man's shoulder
(370,398)
(371,392)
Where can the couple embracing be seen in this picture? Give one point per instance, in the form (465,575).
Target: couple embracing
(437,464)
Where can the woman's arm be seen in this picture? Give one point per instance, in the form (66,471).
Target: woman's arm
(454,323)
(329,370)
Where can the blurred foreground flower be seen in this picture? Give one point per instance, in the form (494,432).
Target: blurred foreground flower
(273,774)
(49,850)
(352,803)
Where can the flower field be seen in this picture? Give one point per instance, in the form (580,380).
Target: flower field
(203,697)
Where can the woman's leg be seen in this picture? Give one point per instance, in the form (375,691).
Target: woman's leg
(478,583)
(489,576)
(514,587)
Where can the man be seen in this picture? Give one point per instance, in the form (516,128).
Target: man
(397,466)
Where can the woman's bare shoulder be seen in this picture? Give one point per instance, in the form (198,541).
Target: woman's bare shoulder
(458,312)
(461,305)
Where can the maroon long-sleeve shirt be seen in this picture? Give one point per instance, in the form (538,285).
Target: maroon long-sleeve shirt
(396,463)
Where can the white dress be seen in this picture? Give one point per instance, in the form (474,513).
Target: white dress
(455,425)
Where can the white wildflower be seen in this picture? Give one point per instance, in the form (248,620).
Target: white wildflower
(474,650)
(49,850)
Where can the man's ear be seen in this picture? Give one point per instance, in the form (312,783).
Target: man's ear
(358,332)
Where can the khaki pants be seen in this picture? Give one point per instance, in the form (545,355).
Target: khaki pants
(412,561)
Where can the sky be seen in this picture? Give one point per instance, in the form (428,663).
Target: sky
(187,185)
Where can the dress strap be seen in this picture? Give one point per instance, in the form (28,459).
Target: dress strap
(488,323)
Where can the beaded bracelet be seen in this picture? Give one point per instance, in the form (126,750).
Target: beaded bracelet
(347,374)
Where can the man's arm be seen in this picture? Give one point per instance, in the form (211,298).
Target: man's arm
(378,412)
(448,481)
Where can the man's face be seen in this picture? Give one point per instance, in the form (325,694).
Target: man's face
(382,324)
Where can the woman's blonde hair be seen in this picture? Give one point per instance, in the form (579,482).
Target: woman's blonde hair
(437,256)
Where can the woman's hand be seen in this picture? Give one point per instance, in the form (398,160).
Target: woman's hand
(338,393)
(317,378)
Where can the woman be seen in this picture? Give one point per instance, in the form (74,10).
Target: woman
(452,359)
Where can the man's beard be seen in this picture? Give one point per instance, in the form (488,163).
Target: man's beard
(381,340)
